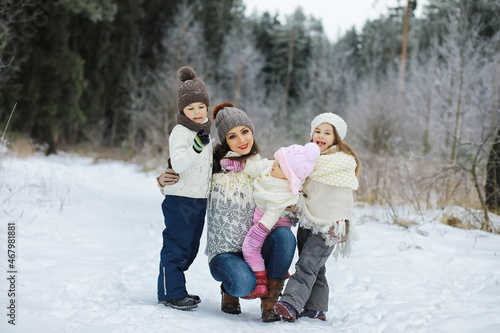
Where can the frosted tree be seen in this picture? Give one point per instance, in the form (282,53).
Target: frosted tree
(331,79)
(241,65)
(153,106)
(289,55)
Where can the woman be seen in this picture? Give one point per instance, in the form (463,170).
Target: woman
(230,216)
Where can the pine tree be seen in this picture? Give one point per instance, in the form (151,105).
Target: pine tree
(109,48)
(50,82)
(289,57)
(263,28)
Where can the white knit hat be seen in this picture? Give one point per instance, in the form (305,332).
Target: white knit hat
(330,118)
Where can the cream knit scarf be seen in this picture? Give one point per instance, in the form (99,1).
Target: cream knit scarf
(335,168)
(234,185)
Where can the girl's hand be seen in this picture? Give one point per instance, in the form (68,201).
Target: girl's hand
(343,237)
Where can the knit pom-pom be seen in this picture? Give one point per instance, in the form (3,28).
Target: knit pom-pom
(186,73)
(219,107)
(311,151)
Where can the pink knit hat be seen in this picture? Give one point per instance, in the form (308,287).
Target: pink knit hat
(297,162)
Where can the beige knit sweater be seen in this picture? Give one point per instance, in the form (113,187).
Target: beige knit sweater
(327,199)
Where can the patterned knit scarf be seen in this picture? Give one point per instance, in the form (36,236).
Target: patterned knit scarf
(183,120)
(335,168)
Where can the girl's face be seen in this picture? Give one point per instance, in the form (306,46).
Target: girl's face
(276,171)
(240,140)
(323,136)
(196,112)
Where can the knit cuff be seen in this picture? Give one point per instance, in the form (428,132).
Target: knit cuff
(198,145)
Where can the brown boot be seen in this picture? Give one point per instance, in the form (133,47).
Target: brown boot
(267,303)
(230,304)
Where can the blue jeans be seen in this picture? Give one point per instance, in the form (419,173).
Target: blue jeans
(239,279)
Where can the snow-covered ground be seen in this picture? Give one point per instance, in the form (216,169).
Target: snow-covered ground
(88,237)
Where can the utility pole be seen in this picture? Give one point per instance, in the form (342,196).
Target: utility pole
(402,64)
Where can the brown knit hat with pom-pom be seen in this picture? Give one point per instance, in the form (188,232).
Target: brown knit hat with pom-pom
(227,117)
(191,89)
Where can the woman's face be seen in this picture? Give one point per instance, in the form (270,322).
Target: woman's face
(196,112)
(323,136)
(240,140)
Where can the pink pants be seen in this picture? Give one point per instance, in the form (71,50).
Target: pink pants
(283,222)
(253,256)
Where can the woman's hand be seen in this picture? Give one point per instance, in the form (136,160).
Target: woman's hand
(167,177)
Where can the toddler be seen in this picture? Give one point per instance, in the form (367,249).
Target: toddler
(276,188)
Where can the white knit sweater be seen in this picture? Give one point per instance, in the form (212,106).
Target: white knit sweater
(272,195)
(195,169)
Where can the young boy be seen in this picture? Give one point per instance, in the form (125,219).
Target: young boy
(185,202)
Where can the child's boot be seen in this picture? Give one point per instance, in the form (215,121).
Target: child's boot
(286,311)
(267,303)
(260,287)
(185,303)
(313,314)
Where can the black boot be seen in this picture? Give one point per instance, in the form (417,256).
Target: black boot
(185,303)
(196,298)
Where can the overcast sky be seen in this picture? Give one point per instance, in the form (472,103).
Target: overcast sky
(336,15)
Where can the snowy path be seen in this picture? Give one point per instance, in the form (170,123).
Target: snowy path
(87,251)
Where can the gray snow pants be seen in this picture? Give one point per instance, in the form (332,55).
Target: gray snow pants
(308,288)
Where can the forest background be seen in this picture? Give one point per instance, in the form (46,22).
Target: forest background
(421,96)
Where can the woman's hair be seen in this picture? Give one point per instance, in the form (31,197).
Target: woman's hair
(222,149)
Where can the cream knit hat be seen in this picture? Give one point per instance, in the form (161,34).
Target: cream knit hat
(330,118)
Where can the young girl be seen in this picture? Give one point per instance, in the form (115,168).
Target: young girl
(276,188)
(324,210)
(185,202)
(230,214)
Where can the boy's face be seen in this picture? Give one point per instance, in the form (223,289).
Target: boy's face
(276,170)
(323,136)
(196,112)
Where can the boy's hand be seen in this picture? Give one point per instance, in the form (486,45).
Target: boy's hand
(200,140)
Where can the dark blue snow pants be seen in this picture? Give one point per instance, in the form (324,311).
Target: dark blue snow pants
(184,221)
